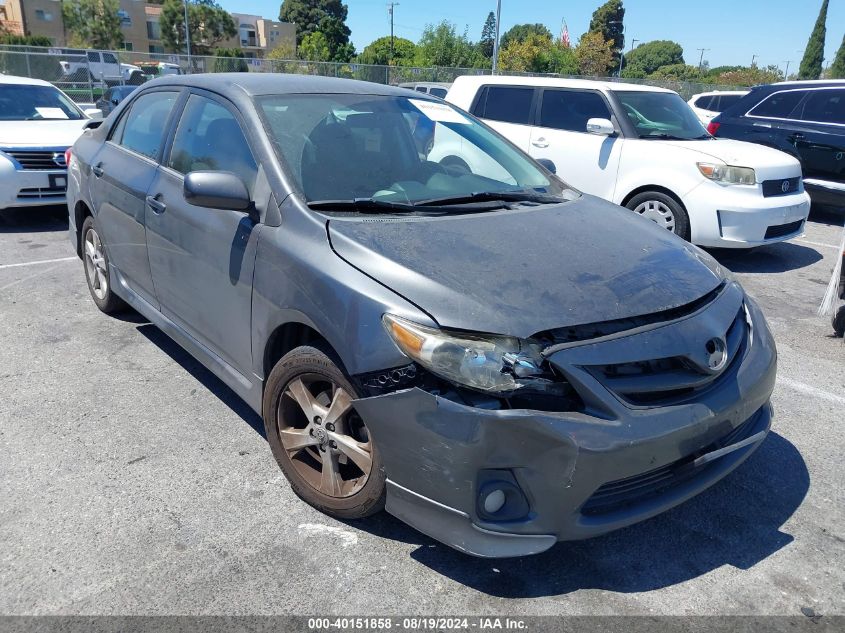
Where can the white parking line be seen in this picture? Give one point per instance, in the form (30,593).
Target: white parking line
(813,391)
(819,244)
(40,261)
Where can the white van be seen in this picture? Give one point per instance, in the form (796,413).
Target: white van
(643,148)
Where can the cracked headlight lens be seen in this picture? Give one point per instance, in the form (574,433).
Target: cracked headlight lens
(487,363)
(728,174)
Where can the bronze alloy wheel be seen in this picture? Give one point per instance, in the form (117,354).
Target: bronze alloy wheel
(327,442)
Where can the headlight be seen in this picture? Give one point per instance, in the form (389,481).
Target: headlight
(728,174)
(482,362)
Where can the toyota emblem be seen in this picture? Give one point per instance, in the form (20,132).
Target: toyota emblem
(784,186)
(717,354)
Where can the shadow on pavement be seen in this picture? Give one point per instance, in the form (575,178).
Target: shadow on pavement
(33,219)
(772,258)
(736,522)
(202,375)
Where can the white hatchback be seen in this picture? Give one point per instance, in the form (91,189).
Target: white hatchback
(643,148)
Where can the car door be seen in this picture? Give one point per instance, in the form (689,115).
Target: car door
(111,66)
(818,134)
(121,172)
(508,110)
(202,259)
(586,161)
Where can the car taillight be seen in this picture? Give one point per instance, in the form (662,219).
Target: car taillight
(68,154)
(713,127)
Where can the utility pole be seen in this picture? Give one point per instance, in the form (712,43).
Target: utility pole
(786,72)
(753,57)
(188,37)
(390,6)
(496,41)
(622,58)
(701,59)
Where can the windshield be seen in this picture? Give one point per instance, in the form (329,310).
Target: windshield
(35,103)
(394,150)
(661,115)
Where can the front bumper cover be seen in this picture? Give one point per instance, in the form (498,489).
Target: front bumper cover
(434,448)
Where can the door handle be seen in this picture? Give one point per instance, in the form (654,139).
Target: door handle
(156,205)
(540,142)
(97,169)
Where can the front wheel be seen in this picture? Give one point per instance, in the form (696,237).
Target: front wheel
(663,210)
(318,439)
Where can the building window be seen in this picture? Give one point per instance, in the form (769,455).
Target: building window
(41,14)
(128,46)
(153,30)
(156,49)
(125,18)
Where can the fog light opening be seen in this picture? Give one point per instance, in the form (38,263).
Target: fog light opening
(494,501)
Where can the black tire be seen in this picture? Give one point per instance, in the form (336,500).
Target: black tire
(455,165)
(839,322)
(662,201)
(307,363)
(106,301)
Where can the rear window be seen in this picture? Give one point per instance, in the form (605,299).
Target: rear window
(438,92)
(778,105)
(824,106)
(727,101)
(505,103)
(704,102)
(571,109)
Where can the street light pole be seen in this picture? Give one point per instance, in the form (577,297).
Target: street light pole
(753,57)
(188,37)
(496,41)
(701,59)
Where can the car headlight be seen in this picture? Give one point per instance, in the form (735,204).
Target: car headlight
(728,174)
(487,363)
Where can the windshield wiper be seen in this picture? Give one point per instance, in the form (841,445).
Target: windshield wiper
(666,137)
(488,196)
(364,204)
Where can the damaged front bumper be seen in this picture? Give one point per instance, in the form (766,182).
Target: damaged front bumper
(573,475)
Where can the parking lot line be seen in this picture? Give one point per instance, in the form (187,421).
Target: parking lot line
(813,391)
(40,261)
(818,244)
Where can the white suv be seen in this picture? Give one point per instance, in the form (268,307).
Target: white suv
(643,148)
(708,105)
(38,123)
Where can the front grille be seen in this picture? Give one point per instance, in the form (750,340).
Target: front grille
(776,187)
(667,381)
(37,159)
(617,495)
(40,193)
(779,230)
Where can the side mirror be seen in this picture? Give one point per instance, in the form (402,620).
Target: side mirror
(216,190)
(545,162)
(93,113)
(115,101)
(600,127)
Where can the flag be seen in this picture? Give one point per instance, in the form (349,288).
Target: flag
(564,35)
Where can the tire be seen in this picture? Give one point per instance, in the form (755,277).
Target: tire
(95,260)
(839,322)
(302,433)
(663,209)
(457,166)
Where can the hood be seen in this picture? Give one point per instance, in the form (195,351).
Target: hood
(525,271)
(40,133)
(768,163)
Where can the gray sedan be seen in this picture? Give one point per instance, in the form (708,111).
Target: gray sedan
(493,357)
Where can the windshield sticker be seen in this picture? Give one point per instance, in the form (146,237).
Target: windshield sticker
(51,113)
(439,111)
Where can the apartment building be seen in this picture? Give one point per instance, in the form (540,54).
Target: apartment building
(256,35)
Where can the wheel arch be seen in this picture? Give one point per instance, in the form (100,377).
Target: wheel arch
(288,336)
(80,212)
(657,188)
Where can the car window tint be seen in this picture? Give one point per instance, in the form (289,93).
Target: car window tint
(508,104)
(420,89)
(571,109)
(109,58)
(779,105)
(142,129)
(438,92)
(480,103)
(209,138)
(704,102)
(726,101)
(824,106)
(93,57)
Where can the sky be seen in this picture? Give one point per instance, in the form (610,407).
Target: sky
(733,30)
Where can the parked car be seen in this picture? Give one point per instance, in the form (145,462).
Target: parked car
(437,89)
(37,124)
(497,359)
(112,97)
(707,105)
(160,69)
(643,148)
(96,65)
(803,118)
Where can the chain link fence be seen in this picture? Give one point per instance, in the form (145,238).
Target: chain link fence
(84,75)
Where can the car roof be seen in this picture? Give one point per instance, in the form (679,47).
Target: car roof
(23,81)
(255,84)
(720,92)
(809,83)
(557,82)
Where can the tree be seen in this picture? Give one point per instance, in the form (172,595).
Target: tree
(378,52)
(326,16)
(315,48)
(441,45)
(811,64)
(678,72)
(648,57)
(538,54)
(607,20)
(750,76)
(521,31)
(488,36)
(209,25)
(230,60)
(94,23)
(594,55)
(837,70)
